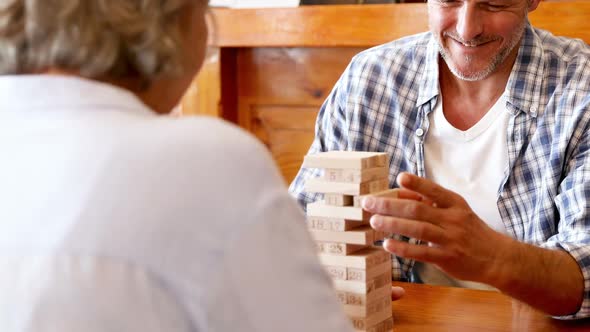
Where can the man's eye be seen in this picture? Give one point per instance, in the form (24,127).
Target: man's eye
(494,7)
(449,2)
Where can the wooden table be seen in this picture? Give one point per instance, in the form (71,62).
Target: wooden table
(435,309)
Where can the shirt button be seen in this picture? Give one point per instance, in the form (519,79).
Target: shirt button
(419,132)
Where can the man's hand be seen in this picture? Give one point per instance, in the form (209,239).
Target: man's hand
(462,245)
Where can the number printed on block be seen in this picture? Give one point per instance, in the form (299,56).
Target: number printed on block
(355,274)
(356,175)
(337,248)
(333,224)
(364,286)
(371,308)
(338,199)
(352,298)
(364,323)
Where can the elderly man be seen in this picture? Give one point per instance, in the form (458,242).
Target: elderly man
(113,218)
(486,117)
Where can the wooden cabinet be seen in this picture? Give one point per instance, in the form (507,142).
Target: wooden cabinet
(270,69)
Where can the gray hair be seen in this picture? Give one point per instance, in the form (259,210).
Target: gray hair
(114,38)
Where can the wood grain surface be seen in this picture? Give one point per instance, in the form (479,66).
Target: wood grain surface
(442,309)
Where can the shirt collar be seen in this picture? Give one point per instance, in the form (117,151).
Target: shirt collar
(524,84)
(429,87)
(31,92)
(526,79)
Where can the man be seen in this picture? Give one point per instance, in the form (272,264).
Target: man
(114,218)
(487,119)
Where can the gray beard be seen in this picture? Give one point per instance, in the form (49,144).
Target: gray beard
(495,62)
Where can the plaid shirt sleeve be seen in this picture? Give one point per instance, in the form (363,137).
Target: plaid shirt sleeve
(547,198)
(573,204)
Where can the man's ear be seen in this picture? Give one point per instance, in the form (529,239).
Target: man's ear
(533,4)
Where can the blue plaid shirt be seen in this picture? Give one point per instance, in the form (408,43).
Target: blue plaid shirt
(382,102)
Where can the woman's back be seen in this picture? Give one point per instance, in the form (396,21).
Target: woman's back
(184,224)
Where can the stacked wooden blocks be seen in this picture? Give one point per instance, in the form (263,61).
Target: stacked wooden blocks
(361,273)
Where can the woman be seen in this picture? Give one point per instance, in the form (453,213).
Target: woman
(116,219)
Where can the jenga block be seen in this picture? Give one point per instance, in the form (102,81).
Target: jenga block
(338,199)
(371,308)
(354,274)
(333,224)
(337,272)
(345,159)
(363,286)
(344,188)
(364,235)
(319,209)
(364,259)
(365,323)
(390,193)
(335,248)
(356,175)
(351,298)
(384,326)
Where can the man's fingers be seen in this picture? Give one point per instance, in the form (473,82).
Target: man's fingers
(402,208)
(397,293)
(440,196)
(421,253)
(411,228)
(408,194)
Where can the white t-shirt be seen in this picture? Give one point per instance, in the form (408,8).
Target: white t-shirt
(472,163)
(116,219)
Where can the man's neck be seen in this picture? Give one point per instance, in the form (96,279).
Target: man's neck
(466,102)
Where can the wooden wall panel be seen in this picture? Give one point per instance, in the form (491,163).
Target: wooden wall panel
(204,94)
(365,25)
(280,91)
(288,133)
(293,76)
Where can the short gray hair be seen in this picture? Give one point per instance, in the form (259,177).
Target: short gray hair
(112,38)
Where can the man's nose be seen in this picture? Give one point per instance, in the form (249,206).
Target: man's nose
(469,25)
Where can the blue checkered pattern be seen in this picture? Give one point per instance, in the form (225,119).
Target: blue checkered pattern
(386,93)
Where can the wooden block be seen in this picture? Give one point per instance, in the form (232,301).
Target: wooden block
(335,248)
(338,199)
(354,274)
(371,308)
(365,323)
(346,159)
(363,286)
(364,235)
(384,326)
(319,209)
(337,272)
(333,224)
(351,298)
(390,193)
(316,185)
(364,259)
(356,175)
